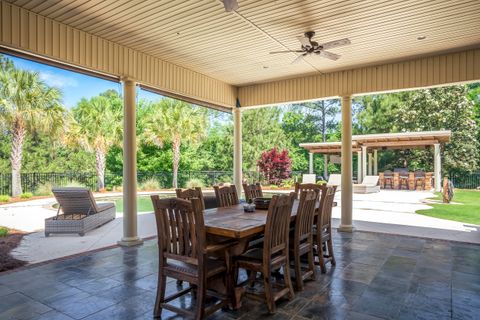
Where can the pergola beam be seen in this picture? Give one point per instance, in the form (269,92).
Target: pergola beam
(331,151)
(400,143)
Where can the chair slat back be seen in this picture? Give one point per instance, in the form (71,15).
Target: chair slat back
(326,209)
(277,226)
(419,174)
(388,174)
(74,200)
(252,191)
(188,194)
(302,187)
(305,215)
(180,227)
(226,196)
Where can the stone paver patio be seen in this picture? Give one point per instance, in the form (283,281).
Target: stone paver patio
(377,277)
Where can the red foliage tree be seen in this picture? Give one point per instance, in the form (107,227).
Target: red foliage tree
(276,166)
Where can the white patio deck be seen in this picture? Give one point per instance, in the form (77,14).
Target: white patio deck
(389,211)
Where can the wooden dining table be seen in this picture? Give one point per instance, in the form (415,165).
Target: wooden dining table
(234,223)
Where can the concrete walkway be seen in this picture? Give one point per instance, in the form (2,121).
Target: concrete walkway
(389,211)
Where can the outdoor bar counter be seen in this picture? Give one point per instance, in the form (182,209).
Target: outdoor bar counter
(406,181)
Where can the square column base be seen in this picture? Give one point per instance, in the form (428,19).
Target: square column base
(130,242)
(346,228)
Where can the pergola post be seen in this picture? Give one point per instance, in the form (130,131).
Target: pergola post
(325,166)
(437,167)
(130,235)
(370,163)
(364,162)
(346,224)
(310,162)
(375,162)
(237,149)
(359,166)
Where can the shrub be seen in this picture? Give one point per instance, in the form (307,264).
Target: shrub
(26,195)
(275,165)
(288,183)
(4,198)
(3,232)
(76,184)
(44,189)
(149,185)
(193,183)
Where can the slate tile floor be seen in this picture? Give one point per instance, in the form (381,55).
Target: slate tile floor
(377,277)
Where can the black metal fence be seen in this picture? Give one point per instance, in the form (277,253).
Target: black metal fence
(32,181)
(465,181)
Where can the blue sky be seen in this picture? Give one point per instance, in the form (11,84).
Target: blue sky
(74,86)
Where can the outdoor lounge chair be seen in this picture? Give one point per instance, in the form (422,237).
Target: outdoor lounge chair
(81,213)
(335,180)
(368,185)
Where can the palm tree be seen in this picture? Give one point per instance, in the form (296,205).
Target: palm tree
(96,125)
(174,121)
(27,105)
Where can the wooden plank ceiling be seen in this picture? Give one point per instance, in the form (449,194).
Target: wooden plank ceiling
(234,47)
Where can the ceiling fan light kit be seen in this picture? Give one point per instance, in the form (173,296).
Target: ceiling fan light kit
(230,5)
(309,47)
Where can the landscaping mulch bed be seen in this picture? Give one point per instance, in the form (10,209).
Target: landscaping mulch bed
(7,244)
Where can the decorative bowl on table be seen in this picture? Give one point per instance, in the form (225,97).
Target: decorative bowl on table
(262,203)
(249,207)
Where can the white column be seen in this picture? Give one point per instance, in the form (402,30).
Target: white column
(310,162)
(437,167)
(370,163)
(375,162)
(237,149)
(130,236)
(346,224)
(364,162)
(359,166)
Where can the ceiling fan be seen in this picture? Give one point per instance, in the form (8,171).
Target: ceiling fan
(312,47)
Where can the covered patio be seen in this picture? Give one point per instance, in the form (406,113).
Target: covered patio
(197,52)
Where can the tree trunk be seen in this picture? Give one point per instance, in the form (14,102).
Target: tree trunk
(18,138)
(100,161)
(176,161)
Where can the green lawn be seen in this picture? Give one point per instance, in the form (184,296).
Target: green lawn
(143,204)
(468,211)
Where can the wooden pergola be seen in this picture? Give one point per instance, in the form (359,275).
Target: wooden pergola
(371,143)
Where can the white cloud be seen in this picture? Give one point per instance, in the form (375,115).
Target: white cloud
(57,80)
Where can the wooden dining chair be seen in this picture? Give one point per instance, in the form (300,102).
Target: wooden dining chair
(301,243)
(226,196)
(184,255)
(273,255)
(323,239)
(301,187)
(188,194)
(252,191)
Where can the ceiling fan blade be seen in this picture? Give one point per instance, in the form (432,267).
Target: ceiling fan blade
(334,44)
(304,41)
(285,51)
(328,55)
(299,58)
